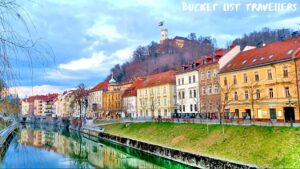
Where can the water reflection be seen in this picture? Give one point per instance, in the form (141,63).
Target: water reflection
(50,147)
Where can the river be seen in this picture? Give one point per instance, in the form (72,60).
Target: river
(41,146)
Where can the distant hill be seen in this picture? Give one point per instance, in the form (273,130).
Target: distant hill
(168,54)
(266,35)
(172,53)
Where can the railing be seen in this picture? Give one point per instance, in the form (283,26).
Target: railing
(5,133)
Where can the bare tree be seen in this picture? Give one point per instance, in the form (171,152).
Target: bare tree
(81,100)
(16,42)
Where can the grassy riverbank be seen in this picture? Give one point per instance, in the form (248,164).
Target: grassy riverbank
(263,146)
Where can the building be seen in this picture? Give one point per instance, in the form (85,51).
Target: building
(261,83)
(63,104)
(156,95)
(112,99)
(129,98)
(95,108)
(39,105)
(208,80)
(187,89)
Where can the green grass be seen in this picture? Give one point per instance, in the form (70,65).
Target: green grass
(276,147)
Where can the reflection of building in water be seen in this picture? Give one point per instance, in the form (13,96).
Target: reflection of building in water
(81,149)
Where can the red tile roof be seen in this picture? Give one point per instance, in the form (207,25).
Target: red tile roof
(132,90)
(159,79)
(273,52)
(47,97)
(100,86)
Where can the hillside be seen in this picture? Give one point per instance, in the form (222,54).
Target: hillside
(274,147)
(167,55)
(172,53)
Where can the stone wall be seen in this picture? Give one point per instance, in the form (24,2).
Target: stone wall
(190,159)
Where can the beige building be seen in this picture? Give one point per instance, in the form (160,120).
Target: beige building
(261,84)
(156,95)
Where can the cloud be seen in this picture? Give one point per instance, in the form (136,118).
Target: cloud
(98,62)
(57,74)
(25,91)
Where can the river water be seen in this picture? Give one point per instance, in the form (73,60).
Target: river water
(40,146)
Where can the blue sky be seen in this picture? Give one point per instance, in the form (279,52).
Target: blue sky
(89,37)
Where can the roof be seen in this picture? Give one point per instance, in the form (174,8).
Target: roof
(132,90)
(101,86)
(47,97)
(274,52)
(159,79)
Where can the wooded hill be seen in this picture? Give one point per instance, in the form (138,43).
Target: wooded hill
(172,53)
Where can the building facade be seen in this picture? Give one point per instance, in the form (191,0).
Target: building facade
(208,80)
(112,99)
(261,84)
(95,108)
(129,98)
(187,89)
(156,96)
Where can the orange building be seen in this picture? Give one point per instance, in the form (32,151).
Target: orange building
(112,99)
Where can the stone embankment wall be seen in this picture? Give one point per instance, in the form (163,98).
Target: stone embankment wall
(190,159)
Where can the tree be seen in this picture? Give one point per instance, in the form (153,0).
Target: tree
(16,42)
(81,100)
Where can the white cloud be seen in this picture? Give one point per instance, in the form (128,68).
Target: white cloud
(291,22)
(57,74)
(85,63)
(25,91)
(102,29)
(98,62)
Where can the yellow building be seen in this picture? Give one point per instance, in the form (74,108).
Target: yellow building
(261,83)
(112,99)
(156,95)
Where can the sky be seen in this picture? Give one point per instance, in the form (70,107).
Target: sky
(87,38)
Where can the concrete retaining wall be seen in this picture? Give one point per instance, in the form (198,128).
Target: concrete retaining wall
(194,160)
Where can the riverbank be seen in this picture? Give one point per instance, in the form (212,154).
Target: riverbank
(263,146)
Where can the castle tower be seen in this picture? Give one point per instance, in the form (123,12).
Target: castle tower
(163,35)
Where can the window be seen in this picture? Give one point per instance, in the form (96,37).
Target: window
(271,94)
(214,73)
(236,96)
(195,93)
(178,82)
(257,94)
(195,107)
(208,74)
(246,95)
(179,95)
(182,95)
(234,79)
(270,74)
(180,108)
(226,96)
(203,90)
(209,89)
(194,79)
(190,79)
(183,108)
(210,105)
(165,101)
(285,72)
(216,90)
(202,75)
(182,81)
(191,107)
(287,92)
(245,78)
(191,94)
(256,76)
(225,80)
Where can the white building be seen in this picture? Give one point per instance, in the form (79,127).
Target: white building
(129,99)
(187,86)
